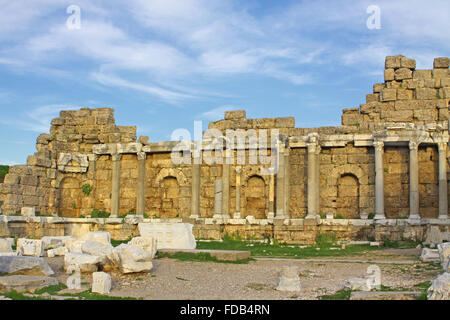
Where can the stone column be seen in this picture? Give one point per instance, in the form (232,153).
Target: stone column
(196,177)
(413,180)
(226,188)
(237,213)
(286,182)
(280,187)
(379,180)
(317,178)
(443,191)
(271,213)
(115,190)
(312,188)
(218,199)
(140,201)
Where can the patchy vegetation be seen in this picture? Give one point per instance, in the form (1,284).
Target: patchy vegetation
(199,257)
(3,172)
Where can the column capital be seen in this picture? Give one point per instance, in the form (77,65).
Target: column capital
(442,146)
(141,155)
(378,145)
(413,144)
(312,147)
(238,169)
(116,156)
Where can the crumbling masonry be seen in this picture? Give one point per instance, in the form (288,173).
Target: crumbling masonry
(388,159)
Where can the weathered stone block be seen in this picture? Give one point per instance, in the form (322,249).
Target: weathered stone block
(388,94)
(441,62)
(403,73)
(237,114)
(101,283)
(426,93)
(389,74)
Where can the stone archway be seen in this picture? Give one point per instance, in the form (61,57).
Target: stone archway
(70,196)
(255,197)
(347,203)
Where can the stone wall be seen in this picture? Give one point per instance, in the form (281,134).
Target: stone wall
(86,162)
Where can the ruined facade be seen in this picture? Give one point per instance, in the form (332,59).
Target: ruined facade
(388,159)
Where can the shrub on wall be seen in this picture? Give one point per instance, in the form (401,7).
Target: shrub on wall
(86,189)
(99,214)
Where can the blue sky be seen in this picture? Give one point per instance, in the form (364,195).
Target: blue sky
(161,64)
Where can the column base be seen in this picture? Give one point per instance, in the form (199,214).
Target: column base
(113,215)
(443,217)
(282,217)
(379,216)
(414,217)
(271,215)
(221,216)
(311,216)
(237,215)
(194,216)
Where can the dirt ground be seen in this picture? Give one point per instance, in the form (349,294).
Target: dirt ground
(185,280)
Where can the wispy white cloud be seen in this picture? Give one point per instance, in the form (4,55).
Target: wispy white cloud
(216,113)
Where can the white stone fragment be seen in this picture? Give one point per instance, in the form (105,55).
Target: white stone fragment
(169,235)
(74,245)
(51,242)
(289,280)
(132,259)
(57,252)
(5,246)
(430,255)
(85,262)
(30,247)
(73,282)
(100,236)
(99,249)
(101,283)
(444,254)
(148,244)
(440,288)
(28,211)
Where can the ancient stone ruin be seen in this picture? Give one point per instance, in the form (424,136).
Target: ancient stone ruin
(382,174)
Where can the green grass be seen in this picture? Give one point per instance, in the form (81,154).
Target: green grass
(3,172)
(199,257)
(53,290)
(116,243)
(99,214)
(324,241)
(338,295)
(403,244)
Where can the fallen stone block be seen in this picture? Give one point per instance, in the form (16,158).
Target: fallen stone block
(21,283)
(25,265)
(99,249)
(440,288)
(357,284)
(8,254)
(430,255)
(5,246)
(444,254)
(101,283)
(100,236)
(84,262)
(169,235)
(148,244)
(132,259)
(55,242)
(289,280)
(30,247)
(58,252)
(74,245)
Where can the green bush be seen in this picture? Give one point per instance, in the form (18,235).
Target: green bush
(86,189)
(99,214)
(3,172)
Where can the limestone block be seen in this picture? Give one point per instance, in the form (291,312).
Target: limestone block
(441,63)
(378,87)
(169,235)
(426,93)
(57,252)
(402,74)
(232,115)
(85,262)
(286,122)
(407,63)
(388,94)
(21,283)
(28,211)
(73,282)
(148,244)
(422,74)
(8,254)
(289,280)
(393,61)
(5,246)
(25,265)
(404,94)
(440,288)
(132,259)
(357,284)
(74,245)
(444,93)
(53,242)
(101,236)
(444,253)
(430,255)
(374,277)
(101,283)
(389,74)
(99,249)
(30,247)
